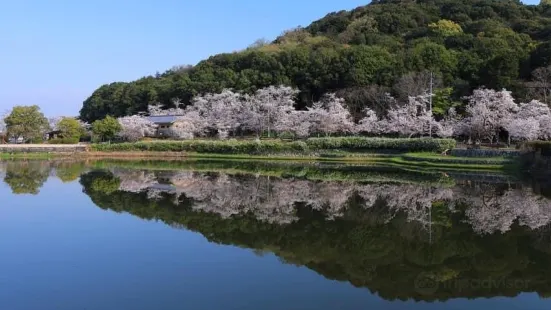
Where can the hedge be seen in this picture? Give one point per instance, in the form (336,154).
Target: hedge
(456,160)
(534,146)
(363,143)
(279,147)
(208,146)
(63,141)
(484,153)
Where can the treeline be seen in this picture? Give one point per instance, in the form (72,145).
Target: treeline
(384,47)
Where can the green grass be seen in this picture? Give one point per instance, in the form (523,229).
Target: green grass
(299,170)
(281,147)
(410,160)
(37,155)
(405,160)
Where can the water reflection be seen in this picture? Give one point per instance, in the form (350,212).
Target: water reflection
(25,177)
(392,239)
(406,237)
(488,208)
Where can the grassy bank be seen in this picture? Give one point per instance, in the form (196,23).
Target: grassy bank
(29,155)
(405,153)
(409,160)
(310,146)
(289,169)
(412,161)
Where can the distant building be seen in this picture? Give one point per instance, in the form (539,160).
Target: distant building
(164,123)
(54,134)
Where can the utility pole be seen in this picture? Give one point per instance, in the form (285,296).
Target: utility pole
(430,105)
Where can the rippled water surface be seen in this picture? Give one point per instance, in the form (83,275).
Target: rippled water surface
(253,235)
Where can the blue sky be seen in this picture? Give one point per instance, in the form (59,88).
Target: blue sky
(55,53)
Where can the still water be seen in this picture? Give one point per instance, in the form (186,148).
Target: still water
(223,235)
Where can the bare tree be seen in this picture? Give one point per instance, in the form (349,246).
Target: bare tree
(415,84)
(374,97)
(259,43)
(540,87)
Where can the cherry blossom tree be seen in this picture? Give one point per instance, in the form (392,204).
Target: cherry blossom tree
(488,112)
(330,115)
(271,109)
(533,109)
(295,122)
(2,122)
(188,126)
(410,119)
(53,121)
(370,123)
(450,125)
(545,128)
(221,112)
(523,129)
(136,127)
(267,106)
(182,128)
(157,109)
(529,123)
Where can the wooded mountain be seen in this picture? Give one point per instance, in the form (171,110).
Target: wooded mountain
(388,46)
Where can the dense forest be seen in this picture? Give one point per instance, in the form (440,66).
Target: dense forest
(388,46)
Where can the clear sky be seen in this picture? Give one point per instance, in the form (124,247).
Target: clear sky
(55,53)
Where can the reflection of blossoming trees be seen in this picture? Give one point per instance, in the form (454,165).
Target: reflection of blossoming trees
(367,243)
(491,211)
(276,200)
(415,200)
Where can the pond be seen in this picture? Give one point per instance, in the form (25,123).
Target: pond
(264,235)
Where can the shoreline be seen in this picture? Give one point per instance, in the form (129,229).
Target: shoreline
(426,161)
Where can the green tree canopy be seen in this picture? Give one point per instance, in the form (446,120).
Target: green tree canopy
(445,28)
(27,122)
(106,129)
(469,43)
(70,128)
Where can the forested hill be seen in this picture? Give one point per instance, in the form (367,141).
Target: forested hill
(386,46)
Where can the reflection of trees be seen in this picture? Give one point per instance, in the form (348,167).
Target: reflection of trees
(26,177)
(360,233)
(489,208)
(494,210)
(69,172)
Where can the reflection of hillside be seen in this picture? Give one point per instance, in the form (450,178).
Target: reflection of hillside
(488,208)
(377,236)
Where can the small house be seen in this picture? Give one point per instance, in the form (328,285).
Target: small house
(54,134)
(164,124)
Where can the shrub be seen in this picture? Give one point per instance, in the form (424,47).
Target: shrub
(107,128)
(282,147)
(208,146)
(73,140)
(535,146)
(364,143)
(484,153)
